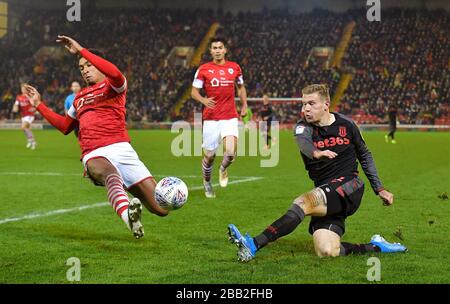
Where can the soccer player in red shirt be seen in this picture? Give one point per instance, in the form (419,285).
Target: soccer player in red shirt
(107,156)
(27,112)
(220,118)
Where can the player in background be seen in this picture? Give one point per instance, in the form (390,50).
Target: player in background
(75,87)
(392,115)
(218,78)
(266,114)
(107,156)
(330,145)
(27,112)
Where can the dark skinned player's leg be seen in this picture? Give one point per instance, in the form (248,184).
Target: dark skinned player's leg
(145,192)
(99,168)
(102,172)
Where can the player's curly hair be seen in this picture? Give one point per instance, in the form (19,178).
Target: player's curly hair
(322,89)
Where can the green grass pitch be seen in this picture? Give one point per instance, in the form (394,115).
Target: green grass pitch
(190,245)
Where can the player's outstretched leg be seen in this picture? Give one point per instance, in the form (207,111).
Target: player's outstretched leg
(104,173)
(310,203)
(247,248)
(207,165)
(229,144)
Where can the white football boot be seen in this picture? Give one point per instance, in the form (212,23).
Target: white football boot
(209,192)
(223,178)
(134,218)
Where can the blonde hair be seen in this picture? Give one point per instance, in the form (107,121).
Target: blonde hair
(321,89)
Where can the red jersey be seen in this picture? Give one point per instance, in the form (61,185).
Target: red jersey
(25,106)
(100,111)
(218,81)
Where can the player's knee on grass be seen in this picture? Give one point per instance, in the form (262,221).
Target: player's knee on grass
(326,243)
(313,202)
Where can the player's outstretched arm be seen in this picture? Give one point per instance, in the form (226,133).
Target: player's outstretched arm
(63,124)
(116,78)
(368,165)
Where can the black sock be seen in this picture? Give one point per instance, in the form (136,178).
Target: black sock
(348,248)
(391,135)
(281,227)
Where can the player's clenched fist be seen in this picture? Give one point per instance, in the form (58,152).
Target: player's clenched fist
(387,197)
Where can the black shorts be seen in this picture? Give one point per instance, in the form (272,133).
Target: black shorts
(344,195)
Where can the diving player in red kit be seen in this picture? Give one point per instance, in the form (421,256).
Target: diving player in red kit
(108,158)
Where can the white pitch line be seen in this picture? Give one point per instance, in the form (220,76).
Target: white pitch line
(81,174)
(41,173)
(53,212)
(245,180)
(96,205)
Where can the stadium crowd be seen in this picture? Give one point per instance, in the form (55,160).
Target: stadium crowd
(137,41)
(273,49)
(402,60)
(405,60)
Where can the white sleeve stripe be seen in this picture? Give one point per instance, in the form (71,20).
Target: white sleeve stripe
(72,112)
(240,80)
(197,83)
(121,89)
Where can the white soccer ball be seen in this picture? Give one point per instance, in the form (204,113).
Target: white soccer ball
(171,193)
